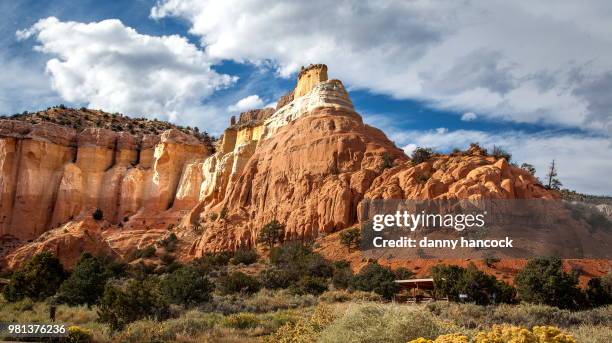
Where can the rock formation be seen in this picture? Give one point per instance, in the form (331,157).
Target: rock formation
(308,163)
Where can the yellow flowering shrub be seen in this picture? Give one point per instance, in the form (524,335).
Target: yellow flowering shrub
(452,338)
(305,330)
(550,334)
(507,334)
(421,340)
(78,335)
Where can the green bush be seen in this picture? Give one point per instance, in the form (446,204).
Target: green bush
(402,273)
(241,321)
(238,282)
(483,289)
(98,214)
(599,290)
(342,276)
(212,260)
(147,252)
(275,278)
(543,281)
(420,155)
(169,243)
(245,257)
(376,278)
(311,285)
(86,282)
(37,278)
(350,238)
(186,286)
(271,233)
(387,161)
(125,303)
(301,259)
(499,152)
(292,262)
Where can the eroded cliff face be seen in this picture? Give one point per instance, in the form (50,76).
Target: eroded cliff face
(51,175)
(308,164)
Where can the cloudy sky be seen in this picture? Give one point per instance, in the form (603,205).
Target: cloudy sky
(533,77)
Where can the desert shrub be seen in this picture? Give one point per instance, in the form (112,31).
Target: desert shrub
(420,155)
(500,152)
(311,285)
(37,278)
(271,233)
(86,283)
(592,334)
(245,256)
(212,260)
(448,338)
(543,281)
(342,275)
(147,252)
(238,282)
(376,278)
(98,214)
(387,161)
(167,258)
(340,296)
(305,330)
(599,290)
(275,278)
(190,324)
(241,321)
(384,323)
(539,334)
(186,286)
(261,302)
(402,273)
(350,238)
(169,243)
(125,303)
(525,315)
(490,261)
(78,335)
(223,213)
(483,289)
(529,167)
(292,262)
(140,270)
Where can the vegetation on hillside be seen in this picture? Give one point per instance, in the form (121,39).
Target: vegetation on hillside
(296,295)
(83,118)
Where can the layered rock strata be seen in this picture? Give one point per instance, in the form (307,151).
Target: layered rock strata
(308,164)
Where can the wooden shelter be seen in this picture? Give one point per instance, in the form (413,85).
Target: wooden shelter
(415,290)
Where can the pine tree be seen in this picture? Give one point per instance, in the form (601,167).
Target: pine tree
(553,181)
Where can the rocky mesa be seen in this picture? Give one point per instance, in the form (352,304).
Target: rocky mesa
(308,163)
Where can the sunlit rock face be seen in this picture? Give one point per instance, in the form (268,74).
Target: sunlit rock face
(308,163)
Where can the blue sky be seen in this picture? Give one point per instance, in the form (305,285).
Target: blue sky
(439,75)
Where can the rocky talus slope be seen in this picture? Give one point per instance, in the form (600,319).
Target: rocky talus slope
(308,164)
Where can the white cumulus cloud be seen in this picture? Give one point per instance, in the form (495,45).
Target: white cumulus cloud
(248,103)
(110,66)
(500,59)
(469,116)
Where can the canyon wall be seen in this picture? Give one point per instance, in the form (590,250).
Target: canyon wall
(50,175)
(308,164)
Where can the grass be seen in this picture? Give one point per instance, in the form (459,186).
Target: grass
(279,316)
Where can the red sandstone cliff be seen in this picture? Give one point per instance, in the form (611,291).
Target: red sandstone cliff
(308,164)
